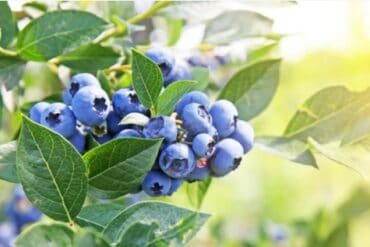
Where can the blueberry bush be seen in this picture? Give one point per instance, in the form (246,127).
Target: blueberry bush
(127,118)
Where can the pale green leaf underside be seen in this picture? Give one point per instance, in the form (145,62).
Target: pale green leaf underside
(8,170)
(167,216)
(327,115)
(54,235)
(291,149)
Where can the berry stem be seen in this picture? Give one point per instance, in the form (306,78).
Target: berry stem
(121,29)
(8,53)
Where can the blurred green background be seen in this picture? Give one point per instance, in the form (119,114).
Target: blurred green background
(269,201)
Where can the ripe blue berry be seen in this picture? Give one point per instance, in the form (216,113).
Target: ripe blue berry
(79,81)
(161,126)
(227,157)
(164,59)
(177,160)
(91,106)
(196,119)
(103,139)
(212,131)
(244,134)
(113,121)
(129,133)
(59,117)
(192,97)
(37,109)
(198,174)
(126,101)
(224,115)
(78,140)
(20,211)
(8,233)
(175,185)
(204,145)
(156,184)
(179,72)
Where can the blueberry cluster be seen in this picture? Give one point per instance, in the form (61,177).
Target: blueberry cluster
(200,139)
(19,212)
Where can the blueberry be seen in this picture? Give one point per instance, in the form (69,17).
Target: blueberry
(37,109)
(8,233)
(78,140)
(212,131)
(59,117)
(156,184)
(204,145)
(103,139)
(175,185)
(192,97)
(79,81)
(20,211)
(196,119)
(164,59)
(113,121)
(179,72)
(177,160)
(224,115)
(244,134)
(91,106)
(161,126)
(198,174)
(125,101)
(128,133)
(227,157)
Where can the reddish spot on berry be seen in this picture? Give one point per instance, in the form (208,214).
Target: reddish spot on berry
(202,162)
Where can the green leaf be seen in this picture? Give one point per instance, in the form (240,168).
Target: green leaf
(104,82)
(53,235)
(139,235)
(355,156)
(200,75)
(167,216)
(174,30)
(359,126)
(37,5)
(8,169)
(256,84)
(234,25)
(146,78)
(339,237)
(197,191)
(51,171)
(263,52)
(8,25)
(326,115)
(91,143)
(171,95)
(90,238)
(357,204)
(98,216)
(90,58)
(291,149)
(119,166)
(58,32)
(135,118)
(11,71)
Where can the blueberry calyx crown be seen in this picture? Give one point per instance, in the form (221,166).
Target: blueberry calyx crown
(53,118)
(100,104)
